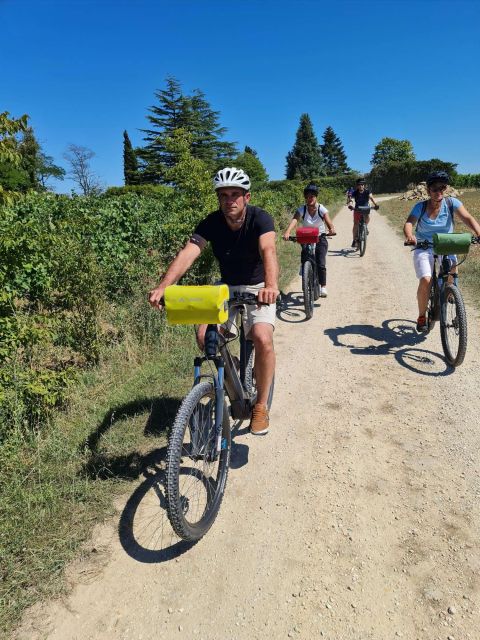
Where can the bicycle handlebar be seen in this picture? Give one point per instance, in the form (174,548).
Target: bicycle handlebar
(364,210)
(238,298)
(321,235)
(426,244)
(245,297)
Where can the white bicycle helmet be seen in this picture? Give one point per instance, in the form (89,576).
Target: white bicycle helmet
(231,177)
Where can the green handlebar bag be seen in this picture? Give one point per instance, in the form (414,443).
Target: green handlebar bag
(451,243)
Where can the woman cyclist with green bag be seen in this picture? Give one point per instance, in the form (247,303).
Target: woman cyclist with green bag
(435,215)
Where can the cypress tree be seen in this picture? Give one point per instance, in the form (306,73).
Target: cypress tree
(334,156)
(304,161)
(130,162)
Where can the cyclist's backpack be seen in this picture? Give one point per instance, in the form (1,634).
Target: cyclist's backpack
(424,211)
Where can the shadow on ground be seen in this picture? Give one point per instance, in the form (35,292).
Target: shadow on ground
(100,465)
(290,307)
(144,530)
(347,252)
(396,337)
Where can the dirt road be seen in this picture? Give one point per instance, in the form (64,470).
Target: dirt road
(357,517)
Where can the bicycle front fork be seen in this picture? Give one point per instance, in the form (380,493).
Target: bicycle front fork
(218,385)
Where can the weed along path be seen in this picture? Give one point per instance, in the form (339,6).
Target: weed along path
(356,518)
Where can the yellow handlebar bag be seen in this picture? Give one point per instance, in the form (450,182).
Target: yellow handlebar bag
(197,305)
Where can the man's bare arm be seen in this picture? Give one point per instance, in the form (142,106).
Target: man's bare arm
(180,265)
(268,251)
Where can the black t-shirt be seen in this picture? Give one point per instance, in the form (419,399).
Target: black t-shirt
(237,252)
(361,199)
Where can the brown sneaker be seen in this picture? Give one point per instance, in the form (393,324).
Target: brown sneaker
(259,420)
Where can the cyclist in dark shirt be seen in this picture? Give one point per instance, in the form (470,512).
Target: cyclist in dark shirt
(361,196)
(243,241)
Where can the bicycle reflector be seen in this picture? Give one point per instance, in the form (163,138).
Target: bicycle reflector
(197,305)
(307,235)
(451,243)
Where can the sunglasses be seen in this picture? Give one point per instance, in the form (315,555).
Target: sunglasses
(437,189)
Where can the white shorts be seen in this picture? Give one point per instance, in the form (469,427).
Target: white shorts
(423,262)
(252,314)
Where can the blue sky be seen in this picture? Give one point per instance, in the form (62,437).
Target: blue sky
(85,70)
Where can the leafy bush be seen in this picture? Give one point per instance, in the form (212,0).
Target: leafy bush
(467,180)
(139,189)
(392,177)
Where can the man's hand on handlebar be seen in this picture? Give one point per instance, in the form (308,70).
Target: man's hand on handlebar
(411,240)
(155,297)
(268,295)
(350,207)
(377,207)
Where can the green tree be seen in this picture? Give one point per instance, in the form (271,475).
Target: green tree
(30,152)
(194,115)
(203,123)
(334,156)
(392,150)
(130,162)
(250,163)
(10,157)
(304,161)
(46,169)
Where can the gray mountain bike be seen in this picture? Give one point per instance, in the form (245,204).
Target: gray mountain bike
(446,305)
(199,446)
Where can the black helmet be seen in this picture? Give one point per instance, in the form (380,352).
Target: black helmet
(311,188)
(438,176)
(361,181)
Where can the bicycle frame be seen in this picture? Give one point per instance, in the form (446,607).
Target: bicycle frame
(226,377)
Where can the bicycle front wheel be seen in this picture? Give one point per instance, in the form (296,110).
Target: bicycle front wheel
(362,239)
(195,477)
(453,325)
(308,288)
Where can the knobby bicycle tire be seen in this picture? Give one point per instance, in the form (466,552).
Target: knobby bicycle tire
(453,325)
(433,306)
(316,285)
(362,239)
(307,286)
(250,381)
(195,485)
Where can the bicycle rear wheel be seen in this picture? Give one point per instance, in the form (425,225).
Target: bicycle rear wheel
(195,480)
(308,288)
(362,238)
(453,325)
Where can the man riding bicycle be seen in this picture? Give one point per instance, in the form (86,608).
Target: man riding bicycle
(362,197)
(243,241)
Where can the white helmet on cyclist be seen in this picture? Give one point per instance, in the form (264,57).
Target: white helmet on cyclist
(231,177)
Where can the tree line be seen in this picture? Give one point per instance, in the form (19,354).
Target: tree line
(25,166)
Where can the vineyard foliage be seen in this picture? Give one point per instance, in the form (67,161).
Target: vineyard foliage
(68,263)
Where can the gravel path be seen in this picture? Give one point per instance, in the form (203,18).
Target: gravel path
(356,518)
